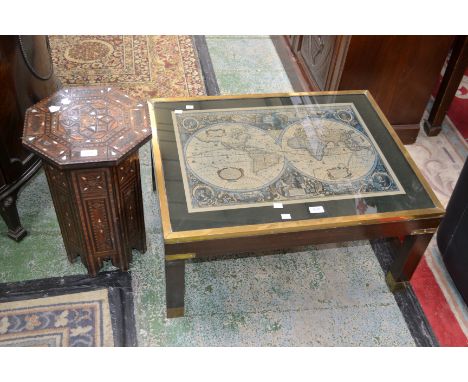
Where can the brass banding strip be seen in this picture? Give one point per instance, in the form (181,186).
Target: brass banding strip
(180,256)
(424,231)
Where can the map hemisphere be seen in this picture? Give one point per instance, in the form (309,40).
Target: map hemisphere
(239,158)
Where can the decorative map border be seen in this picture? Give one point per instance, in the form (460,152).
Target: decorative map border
(223,199)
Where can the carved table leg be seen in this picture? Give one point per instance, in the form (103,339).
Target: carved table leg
(9,213)
(100,212)
(405,264)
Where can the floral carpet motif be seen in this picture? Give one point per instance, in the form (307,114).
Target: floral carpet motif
(78,320)
(144,66)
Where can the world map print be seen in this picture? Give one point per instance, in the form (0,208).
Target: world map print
(252,157)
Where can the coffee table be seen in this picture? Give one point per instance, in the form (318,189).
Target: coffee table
(253,173)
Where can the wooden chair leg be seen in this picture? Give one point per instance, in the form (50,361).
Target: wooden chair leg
(9,213)
(448,87)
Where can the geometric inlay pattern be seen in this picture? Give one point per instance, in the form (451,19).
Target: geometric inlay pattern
(86,124)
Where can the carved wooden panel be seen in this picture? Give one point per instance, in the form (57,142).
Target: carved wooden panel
(98,213)
(94,193)
(317,54)
(131,199)
(61,193)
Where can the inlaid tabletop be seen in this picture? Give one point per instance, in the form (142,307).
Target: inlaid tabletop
(83,125)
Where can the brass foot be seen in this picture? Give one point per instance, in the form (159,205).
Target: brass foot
(175,312)
(392,284)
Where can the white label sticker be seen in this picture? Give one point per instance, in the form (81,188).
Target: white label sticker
(316,210)
(277,205)
(88,153)
(53,109)
(178,111)
(286,216)
(189,107)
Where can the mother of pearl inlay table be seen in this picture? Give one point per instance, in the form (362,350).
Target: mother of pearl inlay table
(88,138)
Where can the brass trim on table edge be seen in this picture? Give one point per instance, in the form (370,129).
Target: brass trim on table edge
(424,231)
(171,237)
(180,256)
(257,95)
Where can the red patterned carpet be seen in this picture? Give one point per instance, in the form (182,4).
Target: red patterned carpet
(441,161)
(436,307)
(458,111)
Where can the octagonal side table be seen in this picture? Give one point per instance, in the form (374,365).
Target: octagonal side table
(88,138)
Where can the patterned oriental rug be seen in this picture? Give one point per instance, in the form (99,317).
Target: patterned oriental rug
(73,311)
(80,319)
(143,66)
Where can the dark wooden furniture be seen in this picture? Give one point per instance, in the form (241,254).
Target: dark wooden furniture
(412,216)
(89,139)
(452,237)
(26,76)
(453,75)
(400,71)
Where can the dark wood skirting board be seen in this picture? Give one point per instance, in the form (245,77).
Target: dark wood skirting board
(118,284)
(386,251)
(209,76)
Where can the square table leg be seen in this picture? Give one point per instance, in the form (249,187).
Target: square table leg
(403,267)
(175,288)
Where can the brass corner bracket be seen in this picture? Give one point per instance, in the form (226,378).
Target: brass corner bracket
(424,231)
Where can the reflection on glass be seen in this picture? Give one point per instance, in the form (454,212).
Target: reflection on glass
(229,162)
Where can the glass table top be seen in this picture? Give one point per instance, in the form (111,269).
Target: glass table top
(228,162)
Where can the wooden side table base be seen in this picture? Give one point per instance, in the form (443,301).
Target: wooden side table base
(88,138)
(100,212)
